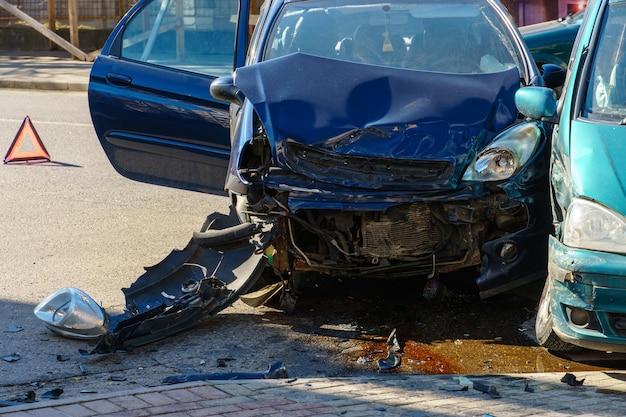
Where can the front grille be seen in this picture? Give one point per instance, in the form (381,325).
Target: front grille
(354,169)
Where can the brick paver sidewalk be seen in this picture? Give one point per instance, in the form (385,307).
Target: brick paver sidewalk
(601,394)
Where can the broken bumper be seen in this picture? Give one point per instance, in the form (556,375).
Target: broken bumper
(588,301)
(169,297)
(518,258)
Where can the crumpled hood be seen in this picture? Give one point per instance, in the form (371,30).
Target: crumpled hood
(346,108)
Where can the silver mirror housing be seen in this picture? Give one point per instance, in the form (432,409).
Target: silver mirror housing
(72,313)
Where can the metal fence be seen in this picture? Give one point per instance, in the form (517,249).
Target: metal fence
(101,14)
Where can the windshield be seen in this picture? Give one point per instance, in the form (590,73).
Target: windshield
(457,36)
(606,89)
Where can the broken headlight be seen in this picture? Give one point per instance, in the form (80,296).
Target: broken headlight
(505,155)
(592,226)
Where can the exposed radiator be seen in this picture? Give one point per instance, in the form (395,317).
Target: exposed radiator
(403,231)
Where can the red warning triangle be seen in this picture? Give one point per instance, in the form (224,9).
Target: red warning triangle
(27,146)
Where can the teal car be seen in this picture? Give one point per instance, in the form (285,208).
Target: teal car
(584,298)
(551,42)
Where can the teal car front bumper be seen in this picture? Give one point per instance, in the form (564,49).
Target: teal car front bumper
(588,297)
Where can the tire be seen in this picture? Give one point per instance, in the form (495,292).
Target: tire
(543,325)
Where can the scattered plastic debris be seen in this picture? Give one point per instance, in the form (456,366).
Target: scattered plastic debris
(221,362)
(117,378)
(464,381)
(29,397)
(277,370)
(13,328)
(487,389)
(368,357)
(14,357)
(392,341)
(63,358)
(454,388)
(528,388)
(393,360)
(570,379)
(53,394)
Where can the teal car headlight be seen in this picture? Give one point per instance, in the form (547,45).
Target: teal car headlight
(589,225)
(505,155)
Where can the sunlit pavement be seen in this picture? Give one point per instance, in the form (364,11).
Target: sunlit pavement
(594,393)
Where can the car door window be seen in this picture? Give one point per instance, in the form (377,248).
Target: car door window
(606,88)
(191,35)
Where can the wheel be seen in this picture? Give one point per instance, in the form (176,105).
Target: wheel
(543,325)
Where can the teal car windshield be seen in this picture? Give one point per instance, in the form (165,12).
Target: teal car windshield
(606,91)
(454,36)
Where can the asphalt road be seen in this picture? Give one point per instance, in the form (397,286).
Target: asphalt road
(76,222)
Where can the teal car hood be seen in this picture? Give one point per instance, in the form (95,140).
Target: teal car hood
(600,149)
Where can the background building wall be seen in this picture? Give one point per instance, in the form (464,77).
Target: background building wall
(96,18)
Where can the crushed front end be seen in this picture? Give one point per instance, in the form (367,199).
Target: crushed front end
(381,181)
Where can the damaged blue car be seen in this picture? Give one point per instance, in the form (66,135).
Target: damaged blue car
(356,139)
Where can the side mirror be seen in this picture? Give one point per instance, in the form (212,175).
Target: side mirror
(72,313)
(538,103)
(553,75)
(223,88)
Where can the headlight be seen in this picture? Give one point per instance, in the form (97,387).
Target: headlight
(504,157)
(589,225)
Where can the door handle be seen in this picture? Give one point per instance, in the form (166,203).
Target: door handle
(119,79)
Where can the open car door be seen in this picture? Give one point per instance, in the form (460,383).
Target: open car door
(149,91)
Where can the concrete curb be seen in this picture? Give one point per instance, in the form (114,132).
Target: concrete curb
(43,85)
(53,71)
